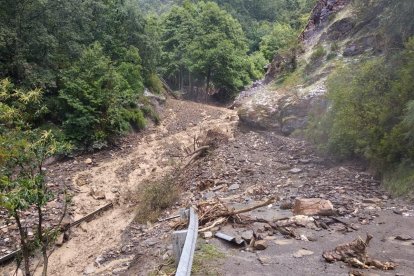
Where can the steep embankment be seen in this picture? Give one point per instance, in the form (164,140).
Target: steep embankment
(334,35)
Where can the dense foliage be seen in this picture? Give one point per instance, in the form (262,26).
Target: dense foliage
(90,58)
(371,114)
(205,46)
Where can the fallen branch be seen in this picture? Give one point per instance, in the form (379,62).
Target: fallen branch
(344,223)
(215,223)
(245,210)
(91,215)
(197,153)
(198,150)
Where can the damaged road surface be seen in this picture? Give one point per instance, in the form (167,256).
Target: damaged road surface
(319,206)
(267,205)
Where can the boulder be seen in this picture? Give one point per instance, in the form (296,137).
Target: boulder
(313,207)
(260,245)
(88,161)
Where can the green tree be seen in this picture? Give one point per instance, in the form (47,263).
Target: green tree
(282,37)
(23,151)
(100,98)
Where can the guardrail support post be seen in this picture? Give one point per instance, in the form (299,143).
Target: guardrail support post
(184,243)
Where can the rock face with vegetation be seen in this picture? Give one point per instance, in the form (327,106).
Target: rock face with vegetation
(354,59)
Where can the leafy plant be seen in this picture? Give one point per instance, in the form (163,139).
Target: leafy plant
(371,113)
(155,197)
(100,98)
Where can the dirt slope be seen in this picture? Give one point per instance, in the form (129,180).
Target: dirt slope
(113,176)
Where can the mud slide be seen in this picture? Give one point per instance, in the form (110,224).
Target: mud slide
(115,179)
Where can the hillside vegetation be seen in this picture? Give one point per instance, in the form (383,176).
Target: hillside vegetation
(370,116)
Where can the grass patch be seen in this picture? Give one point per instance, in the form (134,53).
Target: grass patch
(318,53)
(206,260)
(156,196)
(315,59)
(400,181)
(331,56)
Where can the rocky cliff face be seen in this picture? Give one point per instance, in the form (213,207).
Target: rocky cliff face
(334,34)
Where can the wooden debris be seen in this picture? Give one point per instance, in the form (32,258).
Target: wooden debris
(212,210)
(355,254)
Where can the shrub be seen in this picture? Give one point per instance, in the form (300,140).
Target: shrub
(331,56)
(372,114)
(318,54)
(100,99)
(153,83)
(257,62)
(155,197)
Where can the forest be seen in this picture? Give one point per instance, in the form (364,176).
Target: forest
(86,63)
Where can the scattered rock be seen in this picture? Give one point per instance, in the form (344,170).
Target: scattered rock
(97,194)
(372,200)
(283,242)
(295,170)
(209,195)
(208,235)
(234,187)
(403,238)
(265,260)
(247,235)
(82,180)
(60,240)
(88,161)
(89,269)
(260,245)
(313,207)
(302,252)
(286,205)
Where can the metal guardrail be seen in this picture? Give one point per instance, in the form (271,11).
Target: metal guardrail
(188,237)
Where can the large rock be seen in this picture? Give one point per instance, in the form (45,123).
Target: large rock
(282,111)
(313,207)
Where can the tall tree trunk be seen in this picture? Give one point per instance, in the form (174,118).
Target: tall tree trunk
(43,240)
(190,85)
(24,245)
(208,84)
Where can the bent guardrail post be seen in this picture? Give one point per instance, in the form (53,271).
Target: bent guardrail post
(184,243)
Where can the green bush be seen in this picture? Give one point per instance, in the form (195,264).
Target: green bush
(153,83)
(100,98)
(156,196)
(318,53)
(282,37)
(257,62)
(372,113)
